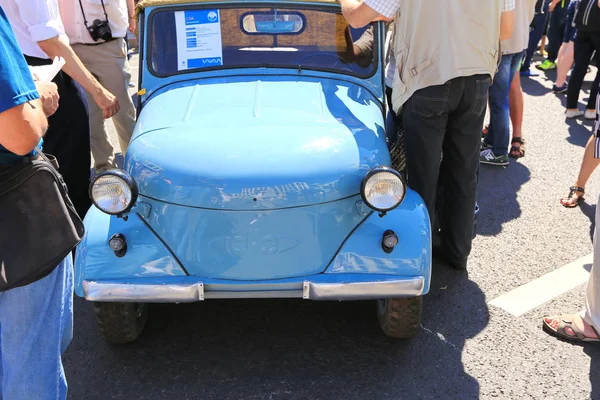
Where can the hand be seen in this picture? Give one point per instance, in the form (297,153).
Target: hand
(133,24)
(386,19)
(49,96)
(107,103)
(553,4)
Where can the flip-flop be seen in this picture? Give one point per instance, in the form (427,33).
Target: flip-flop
(572,191)
(566,322)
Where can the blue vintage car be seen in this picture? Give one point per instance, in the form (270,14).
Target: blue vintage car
(258,168)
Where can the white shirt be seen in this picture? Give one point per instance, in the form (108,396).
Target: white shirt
(72,17)
(33,21)
(388,8)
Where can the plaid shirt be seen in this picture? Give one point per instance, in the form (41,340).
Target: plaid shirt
(388,8)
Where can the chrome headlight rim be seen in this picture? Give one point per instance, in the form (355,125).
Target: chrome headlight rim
(375,171)
(127,179)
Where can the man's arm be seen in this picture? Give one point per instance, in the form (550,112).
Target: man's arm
(55,47)
(507,19)
(131,15)
(357,13)
(45,26)
(553,4)
(22,127)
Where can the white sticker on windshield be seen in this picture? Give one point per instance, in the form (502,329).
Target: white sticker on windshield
(198,39)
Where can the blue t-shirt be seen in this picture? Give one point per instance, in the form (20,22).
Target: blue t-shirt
(16,83)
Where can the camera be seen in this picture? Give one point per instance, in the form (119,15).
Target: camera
(100,30)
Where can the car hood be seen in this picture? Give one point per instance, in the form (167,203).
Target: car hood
(256,144)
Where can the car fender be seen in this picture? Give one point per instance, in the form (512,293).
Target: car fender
(362,251)
(146,255)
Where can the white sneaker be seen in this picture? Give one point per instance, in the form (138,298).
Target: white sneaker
(573,114)
(590,114)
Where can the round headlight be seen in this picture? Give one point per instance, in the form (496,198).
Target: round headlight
(113,192)
(383,189)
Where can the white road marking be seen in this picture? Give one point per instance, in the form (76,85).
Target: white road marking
(545,288)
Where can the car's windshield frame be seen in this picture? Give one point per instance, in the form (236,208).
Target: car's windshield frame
(258,5)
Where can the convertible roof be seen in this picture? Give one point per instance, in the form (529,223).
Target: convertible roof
(152,3)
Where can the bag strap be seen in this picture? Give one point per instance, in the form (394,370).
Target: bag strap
(39,152)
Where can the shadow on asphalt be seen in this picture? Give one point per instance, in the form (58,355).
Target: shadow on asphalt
(283,349)
(579,131)
(589,210)
(500,204)
(592,350)
(535,88)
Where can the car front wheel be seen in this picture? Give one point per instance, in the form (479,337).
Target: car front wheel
(400,318)
(120,323)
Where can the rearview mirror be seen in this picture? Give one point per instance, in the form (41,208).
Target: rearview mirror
(272,23)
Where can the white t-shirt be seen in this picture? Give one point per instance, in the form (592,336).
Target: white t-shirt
(33,21)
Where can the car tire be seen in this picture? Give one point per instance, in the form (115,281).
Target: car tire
(121,323)
(400,318)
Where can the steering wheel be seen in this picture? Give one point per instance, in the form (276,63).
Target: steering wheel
(337,59)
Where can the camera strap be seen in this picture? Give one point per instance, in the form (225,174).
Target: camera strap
(83,13)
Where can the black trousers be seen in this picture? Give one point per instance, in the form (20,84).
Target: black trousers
(68,138)
(447,118)
(585,44)
(556,30)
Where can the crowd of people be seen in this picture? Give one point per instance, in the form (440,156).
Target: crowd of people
(444,70)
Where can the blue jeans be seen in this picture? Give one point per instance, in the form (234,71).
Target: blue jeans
(498,135)
(36,326)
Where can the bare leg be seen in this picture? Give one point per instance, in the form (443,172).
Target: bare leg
(566,59)
(515,105)
(543,46)
(588,165)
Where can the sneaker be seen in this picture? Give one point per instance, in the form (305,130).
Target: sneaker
(546,65)
(590,114)
(560,89)
(488,157)
(528,72)
(569,114)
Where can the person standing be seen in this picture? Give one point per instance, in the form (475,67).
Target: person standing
(446,54)
(540,20)
(106,58)
(41,37)
(587,22)
(496,141)
(35,320)
(585,325)
(556,30)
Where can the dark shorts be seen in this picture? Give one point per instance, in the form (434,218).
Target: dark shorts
(570,30)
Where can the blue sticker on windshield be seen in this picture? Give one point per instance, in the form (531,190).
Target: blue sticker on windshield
(198,39)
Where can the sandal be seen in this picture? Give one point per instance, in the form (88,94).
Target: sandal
(517,151)
(567,322)
(571,195)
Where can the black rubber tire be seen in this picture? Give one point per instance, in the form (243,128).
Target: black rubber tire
(400,318)
(121,323)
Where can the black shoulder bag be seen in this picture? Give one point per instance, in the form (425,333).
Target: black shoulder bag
(38,223)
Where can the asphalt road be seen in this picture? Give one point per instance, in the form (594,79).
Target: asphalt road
(468,349)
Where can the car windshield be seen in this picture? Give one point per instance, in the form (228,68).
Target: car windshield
(301,38)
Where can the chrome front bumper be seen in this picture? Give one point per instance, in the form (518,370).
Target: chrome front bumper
(110,291)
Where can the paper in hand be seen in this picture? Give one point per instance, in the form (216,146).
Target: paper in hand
(45,73)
